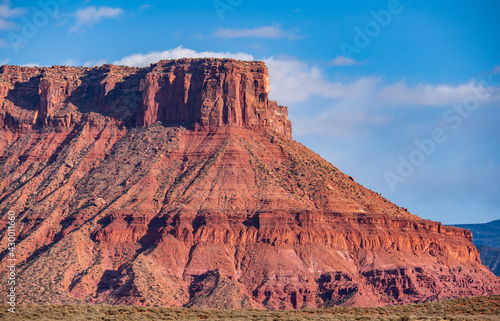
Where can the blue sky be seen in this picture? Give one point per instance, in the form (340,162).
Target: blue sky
(402,95)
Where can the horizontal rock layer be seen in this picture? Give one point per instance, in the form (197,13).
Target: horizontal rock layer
(224,213)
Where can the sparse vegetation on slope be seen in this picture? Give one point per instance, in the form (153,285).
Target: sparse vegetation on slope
(463,309)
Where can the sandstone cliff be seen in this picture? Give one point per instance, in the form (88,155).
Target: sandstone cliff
(197,92)
(179,185)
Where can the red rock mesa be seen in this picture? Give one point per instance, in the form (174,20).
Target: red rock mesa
(179,185)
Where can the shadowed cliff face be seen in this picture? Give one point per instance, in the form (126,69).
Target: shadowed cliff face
(118,203)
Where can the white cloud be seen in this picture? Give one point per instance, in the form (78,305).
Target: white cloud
(6,25)
(496,70)
(294,81)
(7,12)
(4,62)
(344,61)
(143,60)
(271,32)
(89,16)
(3,43)
(344,109)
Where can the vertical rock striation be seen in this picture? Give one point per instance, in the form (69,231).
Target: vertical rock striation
(203,93)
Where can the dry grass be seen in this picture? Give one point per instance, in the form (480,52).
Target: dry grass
(464,309)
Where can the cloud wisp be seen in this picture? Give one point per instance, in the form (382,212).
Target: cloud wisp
(87,17)
(344,61)
(6,25)
(294,81)
(7,12)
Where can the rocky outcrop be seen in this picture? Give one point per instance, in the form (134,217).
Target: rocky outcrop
(179,185)
(202,93)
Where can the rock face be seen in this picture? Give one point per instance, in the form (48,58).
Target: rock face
(207,93)
(179,185)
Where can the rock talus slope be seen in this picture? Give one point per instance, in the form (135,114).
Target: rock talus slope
(179,185)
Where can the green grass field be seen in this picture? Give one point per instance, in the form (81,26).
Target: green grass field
(479,308)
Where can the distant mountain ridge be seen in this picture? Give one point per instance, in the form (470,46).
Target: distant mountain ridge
(487,234)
